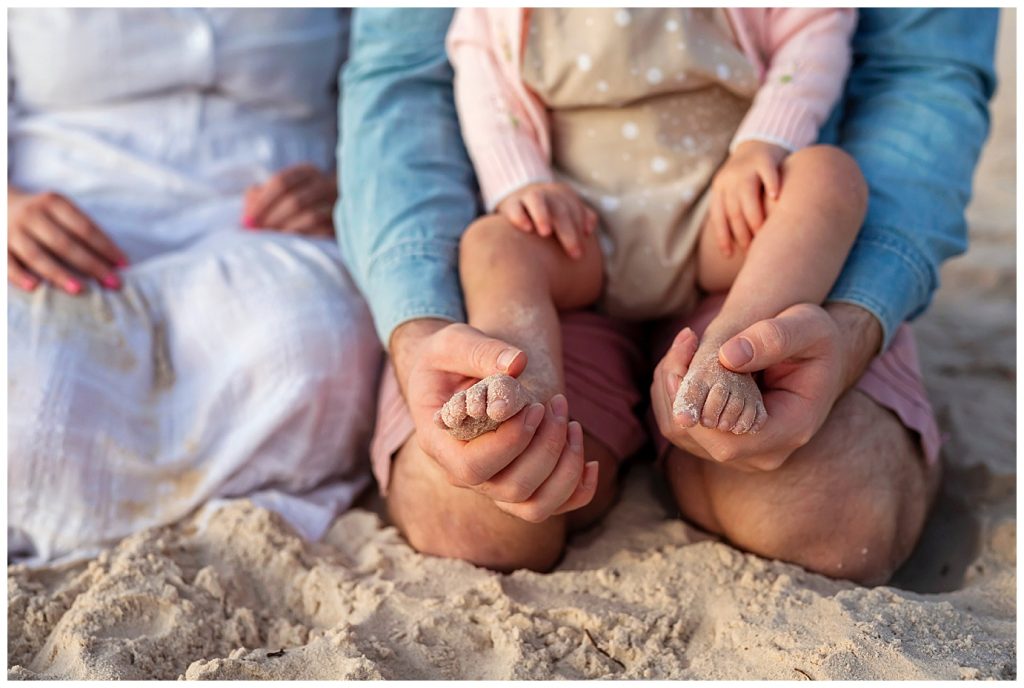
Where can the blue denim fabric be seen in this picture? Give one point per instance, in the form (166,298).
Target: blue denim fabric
(914,115)
(407,186)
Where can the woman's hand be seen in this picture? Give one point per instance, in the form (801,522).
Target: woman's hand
(296,200)
(49,238)
(547,209)
(738,190)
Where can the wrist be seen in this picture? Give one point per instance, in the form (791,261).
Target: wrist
(406,340)
(860,339)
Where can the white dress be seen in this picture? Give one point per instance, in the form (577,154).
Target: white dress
(232,362)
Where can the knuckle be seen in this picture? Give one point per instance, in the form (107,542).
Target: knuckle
(774,337)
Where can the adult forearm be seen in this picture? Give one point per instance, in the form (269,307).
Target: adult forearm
(407,185)
(860,338)
(914,116)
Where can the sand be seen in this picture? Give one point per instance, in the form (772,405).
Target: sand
(236,594)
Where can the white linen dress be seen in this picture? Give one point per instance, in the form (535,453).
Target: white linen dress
(233,362)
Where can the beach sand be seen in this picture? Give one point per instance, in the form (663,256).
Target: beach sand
(642,595)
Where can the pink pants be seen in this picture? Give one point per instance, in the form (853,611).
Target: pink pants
(608,375)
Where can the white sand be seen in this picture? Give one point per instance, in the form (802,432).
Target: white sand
(642,595)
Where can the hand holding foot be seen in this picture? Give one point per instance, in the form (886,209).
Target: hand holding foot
(717,397)
(483,407)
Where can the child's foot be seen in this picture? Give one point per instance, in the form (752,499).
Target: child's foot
(716,397)
(483,407)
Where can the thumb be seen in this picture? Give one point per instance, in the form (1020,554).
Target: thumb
(797,332)
(468,351)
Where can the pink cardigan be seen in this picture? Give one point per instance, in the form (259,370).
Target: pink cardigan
(801,56)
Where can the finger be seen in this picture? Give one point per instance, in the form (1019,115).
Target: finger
(798,330)
(477,461)
(314,222)
(592,219)
(565,228)
(276,187)
(750,204)
(69,250)
(523,476)
(737,225)
(19,276)
(78,223)
(720,226)
(668,375)
(34,257)
(248,206)
(467,351)
(769,174)
(537,207)
(515,212)
(559,485)
(585,491)
(296,201)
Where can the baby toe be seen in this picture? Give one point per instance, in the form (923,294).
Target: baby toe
(731,413)
(760,419)
(716,401)
(454,410)
(746,419)
(690,400)
(503,397)
(476,400)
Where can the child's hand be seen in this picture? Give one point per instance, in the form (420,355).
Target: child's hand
(750,174)
(551,208)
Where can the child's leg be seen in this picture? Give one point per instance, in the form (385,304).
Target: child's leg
(514,283)
(795,258)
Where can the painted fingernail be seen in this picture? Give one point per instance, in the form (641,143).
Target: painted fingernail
(738,351)
(111,281)
(507,357)
(533,417)
(72,287)
(560,407)
(122,262)
(28,284)
(248,222)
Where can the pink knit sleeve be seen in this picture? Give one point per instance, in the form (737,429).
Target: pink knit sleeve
(808,58)
(499,135)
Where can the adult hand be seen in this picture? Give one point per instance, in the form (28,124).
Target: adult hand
(532,466)
(296,200)
(809,358)
(49,238)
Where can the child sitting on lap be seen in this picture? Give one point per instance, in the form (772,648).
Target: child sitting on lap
(630,159)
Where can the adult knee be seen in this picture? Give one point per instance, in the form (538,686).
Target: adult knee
(489,551)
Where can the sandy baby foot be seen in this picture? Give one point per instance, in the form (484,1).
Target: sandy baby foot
(483,407)
(716,397)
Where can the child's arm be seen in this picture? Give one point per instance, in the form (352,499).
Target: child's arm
(809,58)
(500,138)
(511,166)
(808,61)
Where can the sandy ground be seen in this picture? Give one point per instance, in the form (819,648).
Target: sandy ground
(642,595)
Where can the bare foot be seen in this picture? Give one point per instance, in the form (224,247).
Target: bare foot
(716,397)
(483,407)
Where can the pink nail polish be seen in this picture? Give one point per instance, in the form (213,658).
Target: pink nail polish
(72,287)
(111,281)
(248,222)
(28,284)
(122,262)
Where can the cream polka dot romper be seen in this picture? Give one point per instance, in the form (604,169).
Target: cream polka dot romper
(643,105)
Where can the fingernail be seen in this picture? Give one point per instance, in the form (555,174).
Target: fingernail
(533,417)
(590,479)
(248,222)
(111,281)
(72,287)
(28,284)
(122,262)
(737,351)
(560,407)
(507,357)
(672,384)
(576,437)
